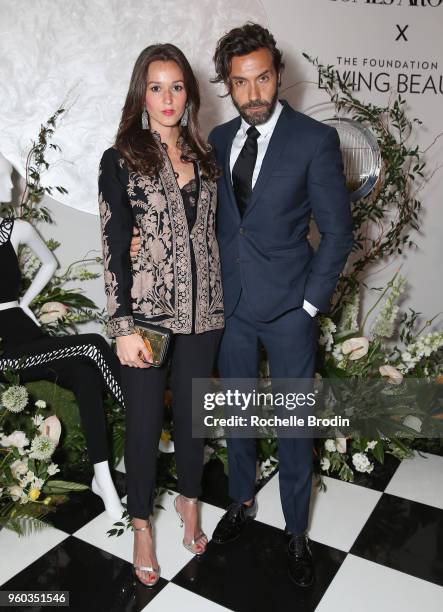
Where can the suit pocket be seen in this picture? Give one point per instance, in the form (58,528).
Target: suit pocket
(288,252)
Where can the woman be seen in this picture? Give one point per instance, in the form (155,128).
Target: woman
(160,176)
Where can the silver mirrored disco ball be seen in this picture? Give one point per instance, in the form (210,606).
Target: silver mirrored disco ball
(361,156)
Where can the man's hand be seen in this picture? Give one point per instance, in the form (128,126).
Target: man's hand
(132,352)
(135,243)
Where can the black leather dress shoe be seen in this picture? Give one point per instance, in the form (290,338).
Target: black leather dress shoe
(233,521)
(300,564)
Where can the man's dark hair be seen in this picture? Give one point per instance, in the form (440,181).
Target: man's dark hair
(241,41)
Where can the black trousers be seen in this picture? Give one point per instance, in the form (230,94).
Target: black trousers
(290,342)
(84,364)
(192,356)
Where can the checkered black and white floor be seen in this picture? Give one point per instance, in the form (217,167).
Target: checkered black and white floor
(377,545)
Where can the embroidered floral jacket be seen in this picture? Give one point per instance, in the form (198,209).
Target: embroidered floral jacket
(158,284)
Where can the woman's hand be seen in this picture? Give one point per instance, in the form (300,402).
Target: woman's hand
(132,352)
(135,243)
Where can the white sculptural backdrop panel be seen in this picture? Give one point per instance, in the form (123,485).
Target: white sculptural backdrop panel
(81,53)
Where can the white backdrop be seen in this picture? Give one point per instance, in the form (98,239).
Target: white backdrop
(84,51)
(80,54)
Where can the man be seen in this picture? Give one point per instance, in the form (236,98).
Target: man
(278,166)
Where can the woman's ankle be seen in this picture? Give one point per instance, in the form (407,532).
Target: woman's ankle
(139,522)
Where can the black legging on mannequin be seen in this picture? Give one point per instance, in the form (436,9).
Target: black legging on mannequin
(84,364)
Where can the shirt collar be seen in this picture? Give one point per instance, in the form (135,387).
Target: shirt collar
(265,128)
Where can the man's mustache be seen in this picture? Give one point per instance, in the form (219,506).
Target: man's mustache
(255,104)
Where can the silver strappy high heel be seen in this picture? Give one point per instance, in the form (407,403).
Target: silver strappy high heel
(194,541)
(147,568)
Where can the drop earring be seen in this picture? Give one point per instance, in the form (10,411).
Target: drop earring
(184,119)
(145,120)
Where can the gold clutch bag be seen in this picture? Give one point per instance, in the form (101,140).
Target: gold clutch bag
(156,338)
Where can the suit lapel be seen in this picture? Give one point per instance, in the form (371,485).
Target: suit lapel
(227,170)
(276,144)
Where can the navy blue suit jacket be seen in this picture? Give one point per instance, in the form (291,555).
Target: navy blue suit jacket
(266,253)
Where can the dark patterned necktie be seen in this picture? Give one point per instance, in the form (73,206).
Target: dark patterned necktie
(244,168)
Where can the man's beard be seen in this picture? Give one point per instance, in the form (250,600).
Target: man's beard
(257,118)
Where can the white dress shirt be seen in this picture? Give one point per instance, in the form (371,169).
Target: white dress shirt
(265,130)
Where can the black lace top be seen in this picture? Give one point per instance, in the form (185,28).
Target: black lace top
(190,198)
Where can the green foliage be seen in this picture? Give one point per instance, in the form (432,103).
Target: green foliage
(24,520)
(60,487)
(36,164)
(393,207)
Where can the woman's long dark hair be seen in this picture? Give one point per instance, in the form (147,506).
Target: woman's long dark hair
(138,146)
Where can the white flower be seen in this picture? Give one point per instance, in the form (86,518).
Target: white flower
(423,347)
(52,469)
(383,325)
(40,404)
(327,328)
(51,312)
(362,463)
(18,468)
(349,316)
(15,398)
(17,438)
(395,377)
(338,356)
(325,464)
(371,445)
(355,347)
(42,447)
(330,446)
(266,467)
(16,492)
(37,483)
(27,478)
(413,422)
(38,419)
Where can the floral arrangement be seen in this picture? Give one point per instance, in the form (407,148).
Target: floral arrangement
(348,350)
(28,440)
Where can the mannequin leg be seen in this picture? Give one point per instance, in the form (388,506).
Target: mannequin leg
(87,384)
(103,486)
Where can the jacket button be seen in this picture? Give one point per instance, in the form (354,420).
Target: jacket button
(242,230)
